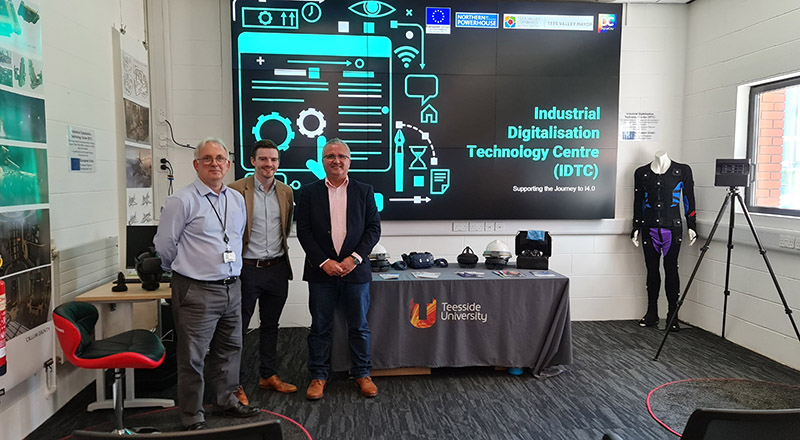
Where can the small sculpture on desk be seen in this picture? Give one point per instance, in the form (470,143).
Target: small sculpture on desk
(119,285)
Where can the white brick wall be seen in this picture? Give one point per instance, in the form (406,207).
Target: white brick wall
(731,43)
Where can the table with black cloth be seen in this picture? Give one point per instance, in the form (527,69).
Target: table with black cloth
(490,321)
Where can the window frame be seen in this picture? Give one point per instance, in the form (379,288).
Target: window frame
(752,145)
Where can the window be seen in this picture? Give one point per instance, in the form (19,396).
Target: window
(774,147)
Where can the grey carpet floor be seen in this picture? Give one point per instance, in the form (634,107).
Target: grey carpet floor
(673,403)
(605,390)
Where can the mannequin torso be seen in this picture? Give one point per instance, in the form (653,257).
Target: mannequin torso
(662,170)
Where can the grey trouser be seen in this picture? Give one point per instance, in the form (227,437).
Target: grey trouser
(208,322)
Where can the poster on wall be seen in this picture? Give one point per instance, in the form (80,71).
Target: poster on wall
(139,184)
(136,98)
(639,126)
(458,110)
(25,259)
(24,243)
(81,148)
(138,150)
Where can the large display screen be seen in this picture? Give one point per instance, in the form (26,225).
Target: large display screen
(452,110)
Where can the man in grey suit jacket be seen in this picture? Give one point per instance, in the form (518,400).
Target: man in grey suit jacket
(265,256)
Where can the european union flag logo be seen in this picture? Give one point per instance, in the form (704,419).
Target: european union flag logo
(437,16)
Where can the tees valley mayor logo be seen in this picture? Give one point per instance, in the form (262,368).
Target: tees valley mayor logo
(447,312)
(510,21)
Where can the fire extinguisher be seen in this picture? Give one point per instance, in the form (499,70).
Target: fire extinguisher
(2,328)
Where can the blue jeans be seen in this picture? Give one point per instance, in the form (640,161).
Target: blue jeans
(322,301)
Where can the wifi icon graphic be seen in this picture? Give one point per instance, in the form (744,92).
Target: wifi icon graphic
(406,54)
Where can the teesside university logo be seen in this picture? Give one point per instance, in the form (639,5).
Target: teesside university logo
(449,312)
(430,316)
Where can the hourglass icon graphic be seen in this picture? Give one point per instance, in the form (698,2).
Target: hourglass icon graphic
(418,151)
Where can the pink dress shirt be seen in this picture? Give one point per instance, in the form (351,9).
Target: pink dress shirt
(337,197)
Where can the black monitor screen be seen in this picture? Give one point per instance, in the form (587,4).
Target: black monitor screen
(452,110)
(138,240)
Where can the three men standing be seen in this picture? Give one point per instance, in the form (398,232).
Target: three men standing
(209,235)
(266,270)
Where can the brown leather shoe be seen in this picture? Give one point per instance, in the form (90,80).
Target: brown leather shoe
(274,383)
(239,393)
(368,388)
(315,390)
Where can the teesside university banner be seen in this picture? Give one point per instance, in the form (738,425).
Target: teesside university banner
(456,322)
(449,312)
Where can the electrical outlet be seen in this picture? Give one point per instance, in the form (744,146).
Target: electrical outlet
(162,116)
(489,227)
(460,227)
(162,166)
(786,241)
(499,227)
(797,243)
(476,226)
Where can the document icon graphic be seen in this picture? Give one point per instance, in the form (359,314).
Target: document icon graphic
(440,180)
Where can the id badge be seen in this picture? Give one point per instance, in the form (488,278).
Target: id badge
(228,257)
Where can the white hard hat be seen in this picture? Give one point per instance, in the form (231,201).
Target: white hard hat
(379,253)
(497,249)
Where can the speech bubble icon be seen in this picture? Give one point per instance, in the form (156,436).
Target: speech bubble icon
(424,87)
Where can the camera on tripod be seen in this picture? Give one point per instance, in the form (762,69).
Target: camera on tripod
(732,172)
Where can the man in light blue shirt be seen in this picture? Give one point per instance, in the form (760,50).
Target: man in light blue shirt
(199,239)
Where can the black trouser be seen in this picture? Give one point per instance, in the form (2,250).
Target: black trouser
(269,287)
(655,243)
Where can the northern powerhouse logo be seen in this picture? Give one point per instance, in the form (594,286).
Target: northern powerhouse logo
(447,312)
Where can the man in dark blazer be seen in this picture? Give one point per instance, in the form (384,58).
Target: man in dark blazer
(265,256)
(338,225)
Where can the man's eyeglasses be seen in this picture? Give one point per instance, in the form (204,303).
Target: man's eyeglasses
(208,160)
(335,156)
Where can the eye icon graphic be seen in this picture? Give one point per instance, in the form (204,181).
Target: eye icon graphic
(371,9)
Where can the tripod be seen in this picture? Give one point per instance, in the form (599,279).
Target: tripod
(733,192)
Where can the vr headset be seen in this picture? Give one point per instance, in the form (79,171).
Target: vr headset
(148,269)
(533,249)
(380,265)
(419,260)
(493,263)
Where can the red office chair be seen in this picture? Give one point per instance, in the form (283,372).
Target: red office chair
(75,321)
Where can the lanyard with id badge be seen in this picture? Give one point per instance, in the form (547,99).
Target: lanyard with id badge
(228,256)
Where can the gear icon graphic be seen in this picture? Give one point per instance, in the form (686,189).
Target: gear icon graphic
(265,21)
(274,116)
(320,120)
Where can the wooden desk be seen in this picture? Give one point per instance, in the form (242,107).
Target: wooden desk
(124,302)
